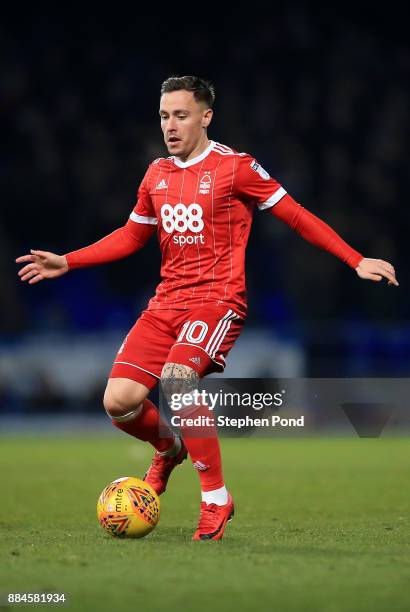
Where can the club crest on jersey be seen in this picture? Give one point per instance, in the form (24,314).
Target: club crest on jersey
(205,184)
(258,168)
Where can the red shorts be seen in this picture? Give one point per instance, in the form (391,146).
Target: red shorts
(200,338)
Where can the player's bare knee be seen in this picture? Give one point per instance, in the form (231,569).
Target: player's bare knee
(121,407)
(178,378)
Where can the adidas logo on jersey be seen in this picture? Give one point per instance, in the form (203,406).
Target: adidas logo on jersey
(162,185)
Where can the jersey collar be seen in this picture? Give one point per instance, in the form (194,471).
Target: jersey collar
(194,160)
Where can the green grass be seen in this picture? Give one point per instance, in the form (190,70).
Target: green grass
(321,525)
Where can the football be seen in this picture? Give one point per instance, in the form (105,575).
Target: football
(128,508)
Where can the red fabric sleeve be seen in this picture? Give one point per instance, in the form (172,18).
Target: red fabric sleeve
(253,184)
(314,230)
(122,242)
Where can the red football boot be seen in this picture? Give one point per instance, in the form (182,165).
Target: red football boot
(213,519)
(160,469)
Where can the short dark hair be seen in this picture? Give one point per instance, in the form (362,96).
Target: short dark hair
(203,90)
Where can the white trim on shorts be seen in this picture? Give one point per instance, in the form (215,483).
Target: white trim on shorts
(135,366)
(202,349)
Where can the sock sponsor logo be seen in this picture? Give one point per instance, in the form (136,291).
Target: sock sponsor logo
(201,466)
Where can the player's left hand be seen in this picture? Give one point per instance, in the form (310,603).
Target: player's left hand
(376,270)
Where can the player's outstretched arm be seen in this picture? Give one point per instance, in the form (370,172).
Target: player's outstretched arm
(41,265)
(320,234)
(119,244)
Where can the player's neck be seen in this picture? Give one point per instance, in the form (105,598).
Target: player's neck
(200,148)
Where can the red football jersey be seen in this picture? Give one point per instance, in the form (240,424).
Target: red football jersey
(203,209)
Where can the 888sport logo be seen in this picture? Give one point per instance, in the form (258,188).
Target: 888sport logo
(181,218)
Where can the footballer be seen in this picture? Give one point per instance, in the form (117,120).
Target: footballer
(200,202)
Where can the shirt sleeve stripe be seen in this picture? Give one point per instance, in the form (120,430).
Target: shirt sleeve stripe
(274,199)
(141,219)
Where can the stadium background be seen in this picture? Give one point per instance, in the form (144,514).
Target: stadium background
(319,94)
(320,101)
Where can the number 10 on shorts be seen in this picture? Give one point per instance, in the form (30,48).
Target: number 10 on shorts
(194,332)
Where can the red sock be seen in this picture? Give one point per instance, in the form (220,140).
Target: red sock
(149,426)
(203,447)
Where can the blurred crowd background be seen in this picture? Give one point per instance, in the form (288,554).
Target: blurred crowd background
(320,99)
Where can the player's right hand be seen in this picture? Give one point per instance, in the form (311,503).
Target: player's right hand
(42,264)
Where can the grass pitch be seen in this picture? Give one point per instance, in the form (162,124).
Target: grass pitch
(321,525)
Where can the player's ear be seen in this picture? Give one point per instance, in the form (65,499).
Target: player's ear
(207,117)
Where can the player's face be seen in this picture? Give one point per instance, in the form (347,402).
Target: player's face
(183,122)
